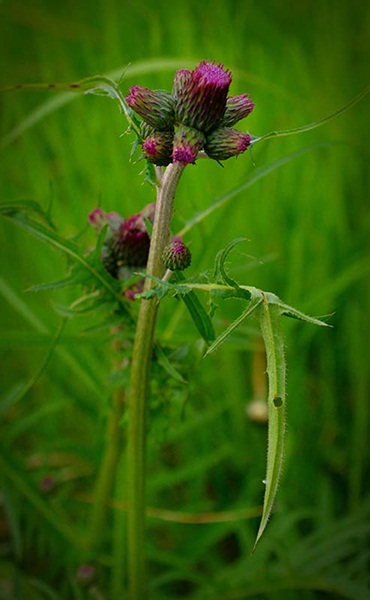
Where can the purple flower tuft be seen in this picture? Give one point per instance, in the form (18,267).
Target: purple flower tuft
(200,99)
(226,142)
(186,145)
(154,106)
(197,115)
(133,242)
(157,146)
(127,247)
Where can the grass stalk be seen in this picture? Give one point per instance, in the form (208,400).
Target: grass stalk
(107,473)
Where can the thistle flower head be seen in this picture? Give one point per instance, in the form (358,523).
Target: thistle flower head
(181,80)
(126,244)
(157,146)
(226,142)
(132,242)
(197,114)
(186,145)
(237,108)
(200,99)
(154,106)
(176,255)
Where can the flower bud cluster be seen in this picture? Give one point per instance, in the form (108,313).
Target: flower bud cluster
(126,243)
(197,115)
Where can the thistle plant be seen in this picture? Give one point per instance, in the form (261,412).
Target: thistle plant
(138,262)
(198,116)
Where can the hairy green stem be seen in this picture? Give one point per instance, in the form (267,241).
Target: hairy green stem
(140,386)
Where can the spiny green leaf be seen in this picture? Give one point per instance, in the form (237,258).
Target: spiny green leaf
(294,313)
(220,272)
(16,208)
(270,323)
(163,288)
(54,285)
(199,315)
(290,311)
(253,304)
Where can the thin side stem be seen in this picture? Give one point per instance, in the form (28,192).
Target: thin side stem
(140,386)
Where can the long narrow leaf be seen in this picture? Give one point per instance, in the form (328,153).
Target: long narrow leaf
(270,323)
(200,317)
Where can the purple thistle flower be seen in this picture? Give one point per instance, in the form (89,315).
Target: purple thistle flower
(200,99)
(237,108)
(226,142)
(154,106)
(198,115)
(157,146)
(176,255)
(132,243)
(126,244)
(186,145)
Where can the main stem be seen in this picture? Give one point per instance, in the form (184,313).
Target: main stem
(140,387)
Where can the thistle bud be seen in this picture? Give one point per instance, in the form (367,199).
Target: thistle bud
(154,106)
(127,246)
(176,255)
(226,142)
(181,82)
(157,146)
(132,243)
(237,108)
(200,98)
(186,145)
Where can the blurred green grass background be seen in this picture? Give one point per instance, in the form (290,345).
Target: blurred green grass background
(308,226)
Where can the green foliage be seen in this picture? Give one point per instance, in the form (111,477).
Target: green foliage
(304,206)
